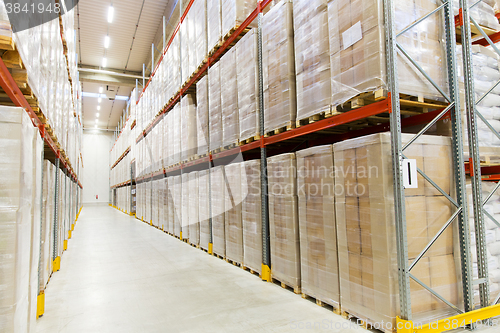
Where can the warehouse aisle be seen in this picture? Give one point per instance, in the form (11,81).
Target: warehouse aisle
(121,275)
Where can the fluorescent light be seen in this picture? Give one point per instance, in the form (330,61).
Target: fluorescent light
(95,125)
(104,62)
(96,121)
(111,12)
(99,100)
(106,42)
(97,114)
(100,90)
(98,107)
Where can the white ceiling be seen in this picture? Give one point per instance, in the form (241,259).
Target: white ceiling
(92,24)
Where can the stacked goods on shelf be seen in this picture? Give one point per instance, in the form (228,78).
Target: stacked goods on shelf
(175,131)
(20,219)
(214,107)
(188,127)
(202,116)
(312,58)
(483,12)
(194,221)
(149,196)
(214,24)
(199,9)
(188,53)
(229,98)
(47,222)
(235,12)
(234,192)
(217,186)
(283,219)
(164,204)
(170,205)
(185,205)
(204,208)
(357,48)
(280,100)
(252,216)
(486,74)
(247,79)
(176,210)
(492,239)
(155,203)
(364,211)
(5,30)
(318,234)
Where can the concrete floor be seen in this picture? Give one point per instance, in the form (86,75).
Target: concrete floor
(121,275)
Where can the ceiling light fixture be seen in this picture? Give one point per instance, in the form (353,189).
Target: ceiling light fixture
(97,114)
(104,62)
(99,100)
(106,42)
(98,107)
(100,90)
(111,12)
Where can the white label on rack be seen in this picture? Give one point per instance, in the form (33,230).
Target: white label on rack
(352,35)
(409,173)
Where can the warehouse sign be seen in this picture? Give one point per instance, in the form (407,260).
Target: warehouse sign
(26,14)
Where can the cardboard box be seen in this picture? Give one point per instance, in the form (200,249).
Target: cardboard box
(251,210)
(233,196)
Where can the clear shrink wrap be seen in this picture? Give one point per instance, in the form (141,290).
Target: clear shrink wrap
(185,206)
(214,23)
(156,203)
(247,79)
(188,126)
(186,47)
(5,28)
(199,10)
(175,65)
(483,12)
(17,183)
(280,99)
(492,239)
(176,192)
(318,234)
(252,216)
(164,204)
(357,48)
(194,224)
(214,106)
(218,183)
(283,219)
(176,133)
(235,12)
(364,210)
(229,98)
(47,222)
(204,208)
(232,207)
(312,57)
(202,134)
(170,205)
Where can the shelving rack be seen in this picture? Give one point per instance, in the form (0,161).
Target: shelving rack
(320,133)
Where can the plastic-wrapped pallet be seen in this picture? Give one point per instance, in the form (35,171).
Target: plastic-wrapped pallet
(204,208)
(235,12)
(47,222)
(248,85)
(176,133)
(188,126)
(486,74)
(229,99)
(185,206)
(214,23)
(194,224)
(148,214)
(483,13)
(214,107)
(164,205)
(170,205)
(280,100)
(175,79)
(252,216)
(232,207)
(218,183)
(188,54)
(364,207)
(154,203)
(312,57)
(176,192)
(17,183)
(202,115)
(357,48)
(283,219)
(199,10)
(492,239)
(318,234)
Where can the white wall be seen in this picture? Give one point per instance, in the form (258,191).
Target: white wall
(95,172)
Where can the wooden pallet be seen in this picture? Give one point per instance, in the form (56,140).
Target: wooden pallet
(284,285)
(226,37)
(334,307)
(365,323)
(7,43)
(248,269)
(218,256)
(235,263)
(288,127)
(324,113)
(256,137)
(205,250)
(474,32)
(488,156)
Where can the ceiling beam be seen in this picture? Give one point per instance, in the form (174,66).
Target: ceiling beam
(108,79)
